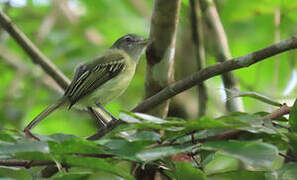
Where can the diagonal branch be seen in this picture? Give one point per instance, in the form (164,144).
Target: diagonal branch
(214,70)
(35,54)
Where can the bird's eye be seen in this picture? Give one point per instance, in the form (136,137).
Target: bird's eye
(128,39)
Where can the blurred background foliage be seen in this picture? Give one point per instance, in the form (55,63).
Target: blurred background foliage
(70,32)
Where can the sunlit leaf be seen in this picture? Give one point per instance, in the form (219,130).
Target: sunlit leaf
(75,145)
(254,153)
(221,163)
(160,152)
(242,175)
(186,171)
(98,164)
(140,136)
(6,137)
(14,173)
(287,172)
(24,146)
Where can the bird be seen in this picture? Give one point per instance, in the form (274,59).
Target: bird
(101,80)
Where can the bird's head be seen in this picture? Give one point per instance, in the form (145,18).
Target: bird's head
(132,44)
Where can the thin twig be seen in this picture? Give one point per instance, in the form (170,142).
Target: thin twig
(30,163)
(25,163)
(288,158)
(279,112)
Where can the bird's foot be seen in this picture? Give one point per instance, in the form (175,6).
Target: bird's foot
(30,135)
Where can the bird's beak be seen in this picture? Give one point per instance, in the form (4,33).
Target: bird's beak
(145,42)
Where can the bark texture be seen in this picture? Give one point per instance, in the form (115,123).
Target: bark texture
(160,55)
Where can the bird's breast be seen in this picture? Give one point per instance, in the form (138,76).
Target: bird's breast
(113,88)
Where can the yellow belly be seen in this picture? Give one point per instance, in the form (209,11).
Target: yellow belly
(112,89)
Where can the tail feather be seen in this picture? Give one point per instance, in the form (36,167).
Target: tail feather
(45,113)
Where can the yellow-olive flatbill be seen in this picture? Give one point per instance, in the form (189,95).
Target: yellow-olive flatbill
(101,80)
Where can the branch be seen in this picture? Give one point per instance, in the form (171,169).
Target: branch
(214,70)
(35,54)
(25,163)
(30,163)
(279,112)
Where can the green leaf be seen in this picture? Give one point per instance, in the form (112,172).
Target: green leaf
(139,126)
(97,163)
(127,117)
(256,123)
(254,153)
(138,151)
(160,152)
(75,145)
(73,176)
(181,138)
(6,137)
(13,172)
(220,163)
(124,149)
(140,136)
(104,176)
(186,171)
(242,175)
(38,156)
(293,117)
(26,145)
(149,118)
(287,172)
(140,118)
(293,141)
(60,137)
(206,123)
(232,121)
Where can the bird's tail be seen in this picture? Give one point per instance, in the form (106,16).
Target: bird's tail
(46,112)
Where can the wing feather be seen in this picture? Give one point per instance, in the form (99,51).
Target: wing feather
(86,80)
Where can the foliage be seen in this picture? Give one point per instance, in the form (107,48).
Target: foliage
(181,147)
(136,142)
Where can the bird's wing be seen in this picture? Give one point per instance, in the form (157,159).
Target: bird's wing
(79,75)
(86,80)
